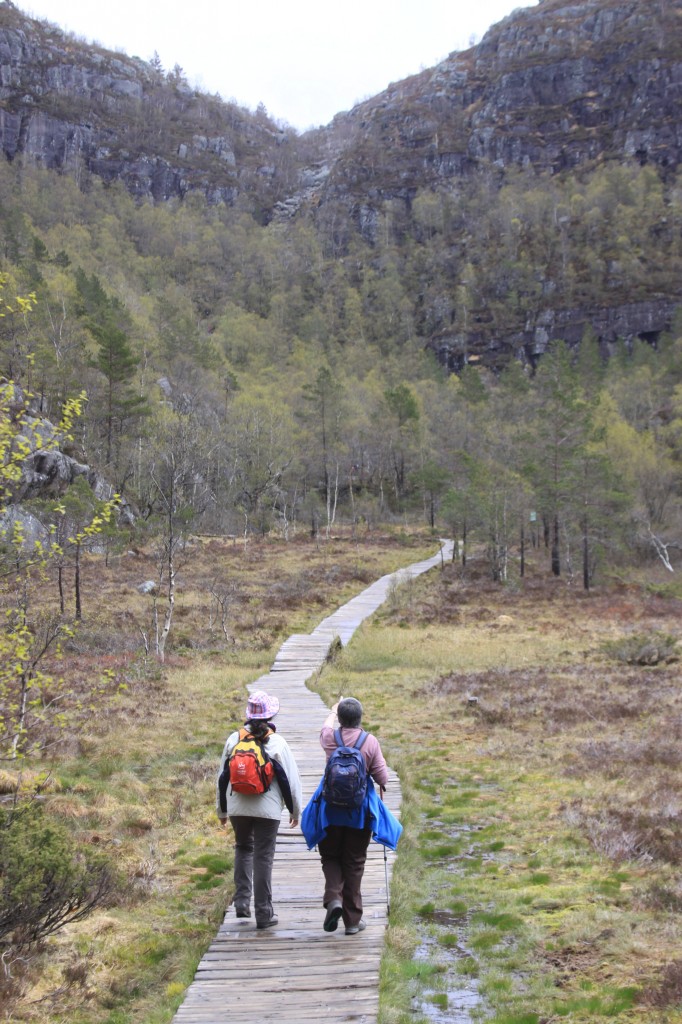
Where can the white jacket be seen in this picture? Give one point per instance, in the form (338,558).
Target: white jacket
(265,805)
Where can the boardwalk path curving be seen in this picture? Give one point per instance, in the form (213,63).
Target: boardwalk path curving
(297,972)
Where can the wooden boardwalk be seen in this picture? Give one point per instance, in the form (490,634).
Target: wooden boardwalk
(297,971)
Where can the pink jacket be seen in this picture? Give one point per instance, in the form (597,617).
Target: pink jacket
(371,751)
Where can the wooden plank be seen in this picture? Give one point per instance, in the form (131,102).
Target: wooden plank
(234,1013)
(297,972)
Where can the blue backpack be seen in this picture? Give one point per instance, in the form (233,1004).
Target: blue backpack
(345,776)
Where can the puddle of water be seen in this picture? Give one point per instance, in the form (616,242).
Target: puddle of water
(444,932)
(453,1006)
(446,918)
(461,828)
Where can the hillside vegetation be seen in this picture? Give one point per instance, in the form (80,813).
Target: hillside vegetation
(287,385)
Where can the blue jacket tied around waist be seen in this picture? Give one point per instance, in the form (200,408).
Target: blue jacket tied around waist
(318,815)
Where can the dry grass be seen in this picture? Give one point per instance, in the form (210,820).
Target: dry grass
(542,779)
(133,770)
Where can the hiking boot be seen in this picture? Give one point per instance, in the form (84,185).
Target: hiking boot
(270,923)
(242,912)
(334,911)
(353,929)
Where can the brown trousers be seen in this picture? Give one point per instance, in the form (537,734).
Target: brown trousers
(344,852)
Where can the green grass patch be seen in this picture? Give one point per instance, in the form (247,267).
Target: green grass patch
(515,1018)
(503,922)
(486,939)
(213,863)
(440,852)
(607,1004)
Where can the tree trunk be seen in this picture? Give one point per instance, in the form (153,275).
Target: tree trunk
(168,617)
(556,557)
(77,583)
(586,556)
(21,717)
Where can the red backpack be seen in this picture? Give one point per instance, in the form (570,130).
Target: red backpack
(250,768)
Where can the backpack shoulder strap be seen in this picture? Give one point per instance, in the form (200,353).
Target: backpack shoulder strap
(337,737)
(241,734)
(361,739)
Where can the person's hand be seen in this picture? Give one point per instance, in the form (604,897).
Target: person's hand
(293,822)
(222,823)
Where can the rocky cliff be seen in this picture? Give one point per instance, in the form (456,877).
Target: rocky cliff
(558,89)
(68,107)
(551,87)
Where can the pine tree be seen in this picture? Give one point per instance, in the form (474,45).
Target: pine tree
(107,322)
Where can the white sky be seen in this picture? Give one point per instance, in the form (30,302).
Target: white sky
(306,60)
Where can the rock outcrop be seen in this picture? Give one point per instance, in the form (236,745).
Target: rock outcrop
(627,323)
(551,87)
(47,470)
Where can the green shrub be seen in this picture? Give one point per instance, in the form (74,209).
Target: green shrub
(46,880)
(644,649)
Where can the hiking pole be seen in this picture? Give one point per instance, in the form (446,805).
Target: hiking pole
(382,790)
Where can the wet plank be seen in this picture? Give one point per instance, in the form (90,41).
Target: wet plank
(297,971)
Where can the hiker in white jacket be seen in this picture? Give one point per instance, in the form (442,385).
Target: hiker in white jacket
(255,818)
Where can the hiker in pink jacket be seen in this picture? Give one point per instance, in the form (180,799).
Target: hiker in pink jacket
(344,848)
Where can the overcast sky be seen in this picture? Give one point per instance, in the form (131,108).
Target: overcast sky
(306,60)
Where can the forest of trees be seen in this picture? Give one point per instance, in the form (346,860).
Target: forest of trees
(274,376)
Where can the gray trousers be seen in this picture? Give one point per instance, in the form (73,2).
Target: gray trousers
(254,842)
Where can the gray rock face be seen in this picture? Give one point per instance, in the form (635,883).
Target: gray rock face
(64,105)
(50,474)
(32,530)
(47,471)
(553,86)
(645,321)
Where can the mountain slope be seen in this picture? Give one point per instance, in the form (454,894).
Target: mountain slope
(554,87)
(522,190)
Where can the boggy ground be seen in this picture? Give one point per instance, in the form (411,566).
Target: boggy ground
(132,760)
(539,876)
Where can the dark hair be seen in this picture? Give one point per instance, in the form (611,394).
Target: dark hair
(349,712)
(258,728)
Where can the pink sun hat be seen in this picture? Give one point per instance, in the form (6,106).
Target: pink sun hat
(261,705)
